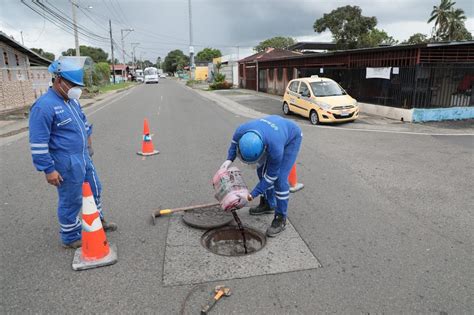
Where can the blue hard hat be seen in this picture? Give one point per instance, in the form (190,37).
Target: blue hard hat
(251,147)
(69,70)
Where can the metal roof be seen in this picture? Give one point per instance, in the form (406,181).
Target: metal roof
(373,49)
(271,54)
(35,59)
(313,46)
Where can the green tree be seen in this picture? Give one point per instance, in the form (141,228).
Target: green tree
(456,30)
(278,42)
(175,60)
(44,54)
(101,73)
(207,54)
(440,15)
(148,63)
(417,38)
(347,25)
(449,22)
(95,53)
(374,38)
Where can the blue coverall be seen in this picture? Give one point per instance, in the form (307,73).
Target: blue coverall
(58,140)
(282,140)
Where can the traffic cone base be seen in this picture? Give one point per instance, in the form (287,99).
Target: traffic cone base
(148,153)
(80,263)
(296,188)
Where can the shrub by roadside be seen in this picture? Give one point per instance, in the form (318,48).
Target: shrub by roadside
(193,82)
(223,85)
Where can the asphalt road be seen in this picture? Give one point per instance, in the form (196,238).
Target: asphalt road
(389,217)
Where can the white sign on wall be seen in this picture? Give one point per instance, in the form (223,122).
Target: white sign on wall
(380,73)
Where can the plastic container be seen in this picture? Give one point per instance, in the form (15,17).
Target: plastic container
(229,186)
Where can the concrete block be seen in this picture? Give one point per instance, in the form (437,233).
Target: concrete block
(386,111)
(188,262)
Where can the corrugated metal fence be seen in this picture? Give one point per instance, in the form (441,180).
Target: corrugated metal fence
(421,86)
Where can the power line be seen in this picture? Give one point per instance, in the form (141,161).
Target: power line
(57,19)
(60,25)
(121,11)
(56,12)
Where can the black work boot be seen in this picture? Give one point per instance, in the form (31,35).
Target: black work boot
(109,226)
(262,208)
(278,226)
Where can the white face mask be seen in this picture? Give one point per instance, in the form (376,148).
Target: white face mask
(74,93)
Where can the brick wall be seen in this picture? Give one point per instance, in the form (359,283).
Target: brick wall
(15,94)
(20,84)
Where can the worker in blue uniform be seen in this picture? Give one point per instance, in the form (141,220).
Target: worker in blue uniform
(61,147)
(272,143)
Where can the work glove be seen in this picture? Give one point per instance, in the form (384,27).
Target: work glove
(226,164)
(239,203)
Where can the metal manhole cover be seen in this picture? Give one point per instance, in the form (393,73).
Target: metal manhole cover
(207,218)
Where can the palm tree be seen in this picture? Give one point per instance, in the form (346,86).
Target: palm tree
(440,15)
(456,20)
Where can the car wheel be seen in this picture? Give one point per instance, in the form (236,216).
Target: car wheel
(313,117)
(286,108)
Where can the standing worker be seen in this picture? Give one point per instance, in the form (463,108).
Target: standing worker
(272,143)
(61,147)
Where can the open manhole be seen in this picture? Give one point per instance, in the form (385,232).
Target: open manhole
(228,241)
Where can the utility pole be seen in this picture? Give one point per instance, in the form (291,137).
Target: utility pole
(112,50)
(123,47)
(123,43)
(191,48)
(134,59)
(74,22)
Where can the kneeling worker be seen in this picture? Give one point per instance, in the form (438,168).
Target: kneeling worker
(272,143)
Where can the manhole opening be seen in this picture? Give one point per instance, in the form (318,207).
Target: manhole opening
(228,241)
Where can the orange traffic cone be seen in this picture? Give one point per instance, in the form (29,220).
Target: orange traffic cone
(293,180)
(95,251)
(147,144)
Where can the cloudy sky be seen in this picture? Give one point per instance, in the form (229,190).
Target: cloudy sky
(162,25)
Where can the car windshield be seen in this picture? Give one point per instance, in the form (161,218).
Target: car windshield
(150,71)
(326,88)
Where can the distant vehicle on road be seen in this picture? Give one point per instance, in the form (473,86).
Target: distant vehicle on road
(319,99)
(163,75)
(139,75)
(151,75)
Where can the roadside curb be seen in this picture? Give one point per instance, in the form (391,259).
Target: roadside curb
(228,104)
